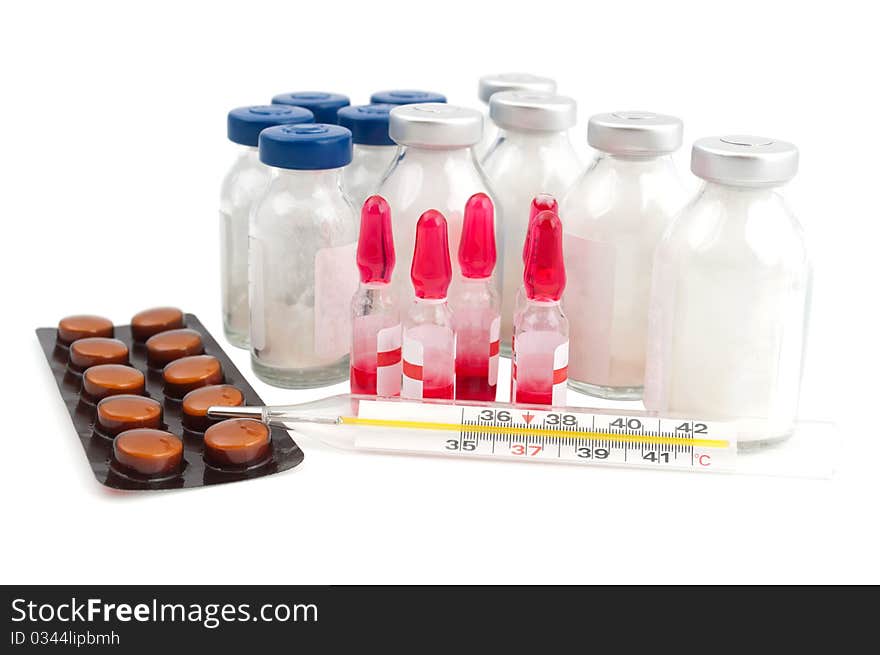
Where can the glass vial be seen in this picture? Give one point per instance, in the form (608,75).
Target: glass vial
(434,169)
(532,155)
(477,319)
(375,327)
(303,240)
(428,332)
(540,359)
(322,104)
(614,217)
(373,149)
(489,85)
(730,294)
(241,187)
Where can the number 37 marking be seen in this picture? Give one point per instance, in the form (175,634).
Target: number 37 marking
(525,449)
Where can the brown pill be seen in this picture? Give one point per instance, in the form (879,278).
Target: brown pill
(236,442)
(196,403)
(80,326)
(155,453)
(167,346)
(120,413)
(92,351)
(112,380)
(188,373)
(153,321)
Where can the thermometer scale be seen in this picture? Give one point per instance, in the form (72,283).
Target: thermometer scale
(506,431)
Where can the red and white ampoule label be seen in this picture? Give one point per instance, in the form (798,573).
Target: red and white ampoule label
(413,369)
(388,361)
(494,350)
(560,374)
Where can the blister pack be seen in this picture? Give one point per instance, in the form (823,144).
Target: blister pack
(138,396)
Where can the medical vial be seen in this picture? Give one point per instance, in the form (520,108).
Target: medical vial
(376,330)
(489,85)
(477,317)
(730,294)
(372,152)
(303,241)
(322,104)
(614,217)
(434,169)
(405,97)
(531,155)
(241,187)
(540,361)
(428,333)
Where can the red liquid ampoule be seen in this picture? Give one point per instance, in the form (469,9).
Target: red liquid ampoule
(540,360)
(376,331)
(428,334)
(477,318)
(541,202)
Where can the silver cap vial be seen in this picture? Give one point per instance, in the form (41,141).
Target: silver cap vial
(635,133)
(533,110)
(492,84)
(741,160)
(435,125)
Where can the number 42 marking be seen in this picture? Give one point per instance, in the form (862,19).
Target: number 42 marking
(525,449)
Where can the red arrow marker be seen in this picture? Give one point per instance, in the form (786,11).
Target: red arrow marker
(528,418)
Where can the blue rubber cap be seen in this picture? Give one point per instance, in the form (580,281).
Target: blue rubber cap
(368,124)
(306,147)
(244,124)
(405,97)
(323,105)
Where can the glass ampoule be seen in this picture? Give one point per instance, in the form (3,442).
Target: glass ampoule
(477,317)
(376,331)
(540,361)
(428,332)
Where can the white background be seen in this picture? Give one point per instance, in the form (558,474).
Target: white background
(113,148)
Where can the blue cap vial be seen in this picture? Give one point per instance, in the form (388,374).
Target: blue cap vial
(323,105)
(306,147)
(244,124)
(368,124)
(405,97)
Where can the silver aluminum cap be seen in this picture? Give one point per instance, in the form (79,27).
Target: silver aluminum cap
(635,133)
(434,124)
(492,84)
(741,160)
(533,110)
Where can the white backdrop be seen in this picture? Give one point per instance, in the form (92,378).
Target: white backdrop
(113,122)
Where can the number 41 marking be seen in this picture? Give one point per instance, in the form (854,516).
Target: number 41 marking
(525,449)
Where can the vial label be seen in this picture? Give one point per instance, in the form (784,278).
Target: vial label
(413,369)
(560,374)
(257,297)
(388,361)
(336,281)
(589,301)
(494,350)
